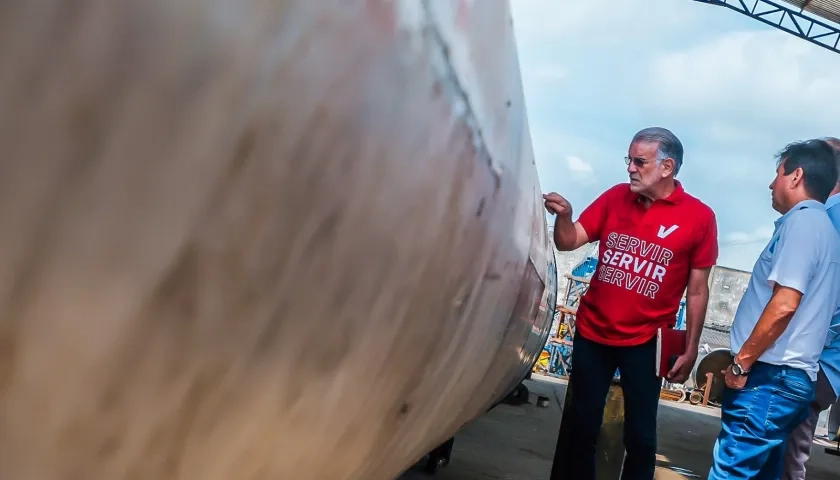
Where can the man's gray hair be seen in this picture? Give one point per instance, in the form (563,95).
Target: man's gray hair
(835,144)
(669,145)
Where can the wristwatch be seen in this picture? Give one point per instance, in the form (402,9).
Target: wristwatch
(738,370)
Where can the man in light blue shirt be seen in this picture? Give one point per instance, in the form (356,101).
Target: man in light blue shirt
(828,380)
(782,322)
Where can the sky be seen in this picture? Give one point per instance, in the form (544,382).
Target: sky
(735,91)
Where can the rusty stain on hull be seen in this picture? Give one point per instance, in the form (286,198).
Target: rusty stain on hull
(252,240)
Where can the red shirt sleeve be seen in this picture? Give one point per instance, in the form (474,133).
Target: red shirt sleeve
(705,253)
(593,217)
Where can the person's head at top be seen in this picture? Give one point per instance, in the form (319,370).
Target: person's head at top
(653,161)
(835,144)
(804,171)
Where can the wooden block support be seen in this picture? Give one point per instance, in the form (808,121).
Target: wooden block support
(708,389)
(609,452)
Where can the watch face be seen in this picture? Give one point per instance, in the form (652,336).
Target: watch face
(736,369)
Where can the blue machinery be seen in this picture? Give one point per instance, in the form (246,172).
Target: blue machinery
(559,348)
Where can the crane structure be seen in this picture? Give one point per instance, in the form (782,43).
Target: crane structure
(817,21)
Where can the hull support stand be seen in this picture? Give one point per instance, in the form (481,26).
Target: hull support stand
(439,457)
(609,452)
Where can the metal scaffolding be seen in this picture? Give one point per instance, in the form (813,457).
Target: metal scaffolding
(826,34)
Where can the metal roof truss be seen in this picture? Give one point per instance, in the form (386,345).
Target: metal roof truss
(824,34)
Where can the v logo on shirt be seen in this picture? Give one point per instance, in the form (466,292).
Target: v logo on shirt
(664,233)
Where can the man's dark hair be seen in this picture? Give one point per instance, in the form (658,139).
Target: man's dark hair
(817,160)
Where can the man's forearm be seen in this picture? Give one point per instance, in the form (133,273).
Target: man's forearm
(565,234)
(695,317)
(772,323)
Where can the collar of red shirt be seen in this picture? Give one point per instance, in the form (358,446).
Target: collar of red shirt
(674,198)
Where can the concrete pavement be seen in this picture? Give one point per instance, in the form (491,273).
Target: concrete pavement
(517,443)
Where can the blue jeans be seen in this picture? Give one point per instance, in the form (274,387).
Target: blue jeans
(756,422)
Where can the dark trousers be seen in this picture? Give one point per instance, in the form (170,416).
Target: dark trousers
(593,368)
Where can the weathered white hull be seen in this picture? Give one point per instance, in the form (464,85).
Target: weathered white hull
(260,240)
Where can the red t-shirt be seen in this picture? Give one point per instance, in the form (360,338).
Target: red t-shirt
(645,256)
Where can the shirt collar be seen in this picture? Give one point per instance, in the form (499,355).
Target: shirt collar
(809,203)
(674,198)
(832,201)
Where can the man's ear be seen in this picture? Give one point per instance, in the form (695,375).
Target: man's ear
(668,167)
(797,177)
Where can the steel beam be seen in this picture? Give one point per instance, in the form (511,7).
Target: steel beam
(795,22)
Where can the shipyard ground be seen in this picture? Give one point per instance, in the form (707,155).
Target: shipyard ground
(517,443)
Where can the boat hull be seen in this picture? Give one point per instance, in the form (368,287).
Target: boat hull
(251,240)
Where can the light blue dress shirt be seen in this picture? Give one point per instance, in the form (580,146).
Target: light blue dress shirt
(804,254)
(830,359)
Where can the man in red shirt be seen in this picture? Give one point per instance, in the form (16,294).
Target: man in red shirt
(656,242)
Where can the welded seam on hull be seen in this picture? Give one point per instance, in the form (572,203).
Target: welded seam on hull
(463,107)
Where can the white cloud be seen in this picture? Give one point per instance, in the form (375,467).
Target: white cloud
(603,21)
(580,171)
(761,234)
(549,73)
(577,165)
(740,249)
(725,131)
(754,79)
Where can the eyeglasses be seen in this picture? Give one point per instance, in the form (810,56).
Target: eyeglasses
(637,161)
